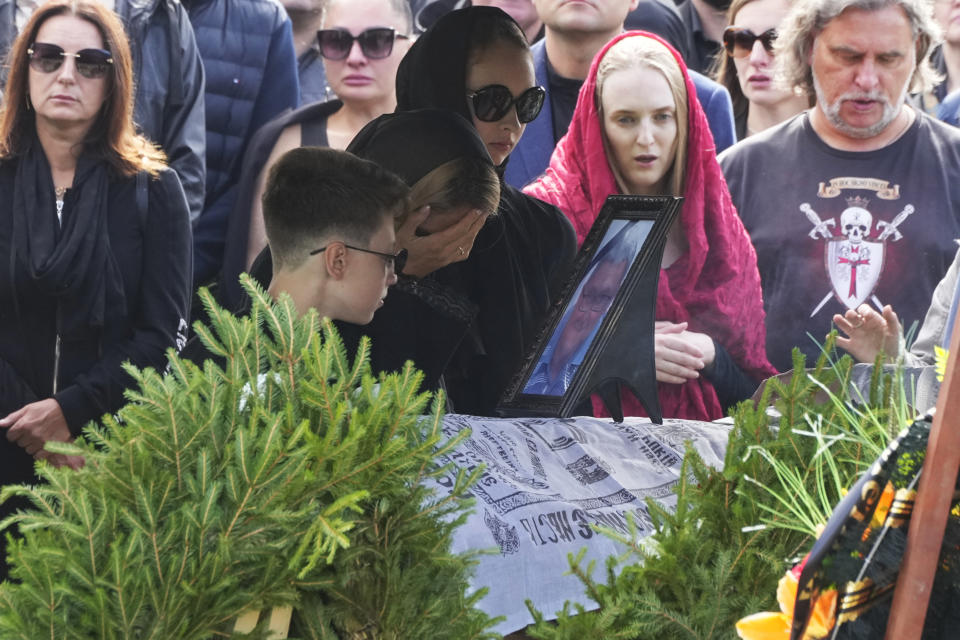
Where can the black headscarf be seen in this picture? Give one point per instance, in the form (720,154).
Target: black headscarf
(521,256)
(411,144)
(433,74)
(72,260)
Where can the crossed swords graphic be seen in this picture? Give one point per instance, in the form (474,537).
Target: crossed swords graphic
(822,227)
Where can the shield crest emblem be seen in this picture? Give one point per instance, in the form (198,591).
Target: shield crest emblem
(854,269)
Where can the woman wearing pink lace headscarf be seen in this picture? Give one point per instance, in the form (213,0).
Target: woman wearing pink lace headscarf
(639,129)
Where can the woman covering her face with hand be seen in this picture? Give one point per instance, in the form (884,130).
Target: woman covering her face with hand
(475,62)
(636,131)
(453,189)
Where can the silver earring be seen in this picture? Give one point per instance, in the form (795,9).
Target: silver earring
(29,106)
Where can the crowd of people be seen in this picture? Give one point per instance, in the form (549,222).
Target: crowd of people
(423,173)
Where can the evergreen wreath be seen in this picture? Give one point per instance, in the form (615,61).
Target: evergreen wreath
(734,533)
(287,476)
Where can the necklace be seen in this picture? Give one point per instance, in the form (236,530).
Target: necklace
(60,192)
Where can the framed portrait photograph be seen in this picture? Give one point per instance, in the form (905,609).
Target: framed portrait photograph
(600,332)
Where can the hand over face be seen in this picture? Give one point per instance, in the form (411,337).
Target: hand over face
(426,254)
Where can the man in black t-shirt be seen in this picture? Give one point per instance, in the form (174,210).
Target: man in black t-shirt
(856,200)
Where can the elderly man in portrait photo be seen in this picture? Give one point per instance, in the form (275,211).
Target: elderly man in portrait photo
(854,201)
(564,354)
(584,315)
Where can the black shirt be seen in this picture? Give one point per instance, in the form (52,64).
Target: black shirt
(701,50)
(662,18)
(823,228)
(563,100)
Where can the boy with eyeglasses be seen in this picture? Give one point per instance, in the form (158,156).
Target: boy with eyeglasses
(329,221)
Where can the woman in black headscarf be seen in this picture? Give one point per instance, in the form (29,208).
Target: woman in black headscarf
(454,187)
(476,62)
(94,234)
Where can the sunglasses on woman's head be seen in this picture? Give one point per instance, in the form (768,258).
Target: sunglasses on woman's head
(739,42)
(47,58)
(492,102)
(375,43)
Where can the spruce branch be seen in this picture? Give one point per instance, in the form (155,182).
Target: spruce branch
(281,474)
(706,563)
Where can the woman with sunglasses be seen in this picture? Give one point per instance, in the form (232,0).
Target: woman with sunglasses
(745,66)
(451,177)
(362,43)
(476,62)
(636,130)
(426,318)
(94,232)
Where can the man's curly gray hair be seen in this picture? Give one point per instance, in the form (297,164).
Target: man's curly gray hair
(808,18)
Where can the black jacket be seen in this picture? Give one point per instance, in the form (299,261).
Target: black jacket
(152,250)
(251,77)
(518,265)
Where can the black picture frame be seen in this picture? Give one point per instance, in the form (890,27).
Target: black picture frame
(587,325)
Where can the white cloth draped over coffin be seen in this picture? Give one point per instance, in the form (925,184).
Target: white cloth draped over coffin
(545,481)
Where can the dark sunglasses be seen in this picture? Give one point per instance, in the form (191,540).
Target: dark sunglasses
(492,102)
(375,43)
(739,42)
(47,58)
(397,260)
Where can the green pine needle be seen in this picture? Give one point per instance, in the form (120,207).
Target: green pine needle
(284,473)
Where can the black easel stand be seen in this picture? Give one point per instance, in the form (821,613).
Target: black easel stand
(626,356)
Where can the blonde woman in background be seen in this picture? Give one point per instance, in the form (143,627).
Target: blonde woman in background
(361,43)
(638,129)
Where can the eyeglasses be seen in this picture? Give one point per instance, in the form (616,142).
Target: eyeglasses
(739,42)
(47,58)
(395,260)
(375,43)
(492,102)
(594,301)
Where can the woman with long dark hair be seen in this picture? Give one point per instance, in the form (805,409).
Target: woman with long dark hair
(95,234)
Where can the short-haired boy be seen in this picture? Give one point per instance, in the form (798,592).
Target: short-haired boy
(329,218)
